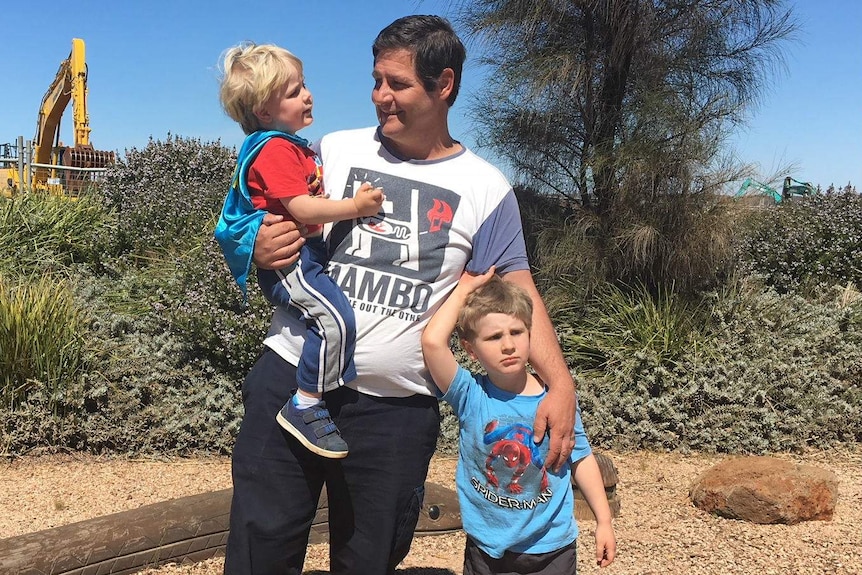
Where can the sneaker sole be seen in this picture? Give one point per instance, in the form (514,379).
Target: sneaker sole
(306,443)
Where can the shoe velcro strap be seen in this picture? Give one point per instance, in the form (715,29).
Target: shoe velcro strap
(325,430)
(316,414)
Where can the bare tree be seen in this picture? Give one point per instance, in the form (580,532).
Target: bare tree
(622,107)
(582,91)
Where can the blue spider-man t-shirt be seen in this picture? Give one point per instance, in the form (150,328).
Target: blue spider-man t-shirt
(509,501)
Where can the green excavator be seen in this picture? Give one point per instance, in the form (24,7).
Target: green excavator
(789,190)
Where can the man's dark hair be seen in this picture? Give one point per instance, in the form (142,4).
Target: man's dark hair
(434,45)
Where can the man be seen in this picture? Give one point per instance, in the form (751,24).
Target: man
(446,210)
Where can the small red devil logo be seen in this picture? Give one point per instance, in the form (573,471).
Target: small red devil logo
(440,214)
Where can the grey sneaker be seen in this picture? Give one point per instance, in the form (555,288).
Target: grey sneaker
(313,427)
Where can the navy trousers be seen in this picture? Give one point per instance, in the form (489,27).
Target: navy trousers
(330,337)
(375,493)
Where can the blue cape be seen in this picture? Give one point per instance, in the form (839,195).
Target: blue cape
(239,222)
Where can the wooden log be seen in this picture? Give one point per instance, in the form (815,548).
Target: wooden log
(187,529)
(609,478)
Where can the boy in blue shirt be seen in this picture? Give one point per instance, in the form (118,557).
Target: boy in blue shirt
(517,514)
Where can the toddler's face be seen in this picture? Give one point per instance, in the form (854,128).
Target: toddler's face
(289,108)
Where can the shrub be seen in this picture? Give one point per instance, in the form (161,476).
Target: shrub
(148,397)
(44,232)
(43,340)
(807,245)
(204,308)
(156,385)
(156,397)
(661,239)
(620,324)
(772,373)
(167,194)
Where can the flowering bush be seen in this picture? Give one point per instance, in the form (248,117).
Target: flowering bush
(168,193)
(205,310)
(809,244)
(770,373)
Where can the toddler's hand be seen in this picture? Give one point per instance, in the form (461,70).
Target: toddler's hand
(368,200)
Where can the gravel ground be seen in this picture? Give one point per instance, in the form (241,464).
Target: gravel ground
(658,529)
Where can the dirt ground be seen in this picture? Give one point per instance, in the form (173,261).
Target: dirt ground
(658,529)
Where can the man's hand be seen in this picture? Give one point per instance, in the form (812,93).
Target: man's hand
(556,416)
(278,243)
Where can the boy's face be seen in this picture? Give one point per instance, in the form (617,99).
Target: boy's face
(501,345)
(289,108)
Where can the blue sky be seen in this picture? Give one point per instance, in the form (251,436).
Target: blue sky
(153,71)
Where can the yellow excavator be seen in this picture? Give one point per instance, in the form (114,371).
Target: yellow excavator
(53,167)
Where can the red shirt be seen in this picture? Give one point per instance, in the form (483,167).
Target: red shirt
(283,170)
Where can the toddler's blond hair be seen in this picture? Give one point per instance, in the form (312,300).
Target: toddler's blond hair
(250,74)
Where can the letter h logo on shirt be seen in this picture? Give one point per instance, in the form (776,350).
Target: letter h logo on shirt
(409,234)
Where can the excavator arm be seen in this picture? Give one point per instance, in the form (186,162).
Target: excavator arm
(790,189)
(70,84)
(752,187)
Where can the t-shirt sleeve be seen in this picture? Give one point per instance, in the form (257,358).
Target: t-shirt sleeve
(279,170)
(500,240)
(582,445)
(457,394)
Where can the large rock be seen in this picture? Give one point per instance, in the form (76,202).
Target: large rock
(766,490)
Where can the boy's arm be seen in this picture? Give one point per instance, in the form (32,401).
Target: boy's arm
(588,478)
(313,210)
(556,413)
(435,339)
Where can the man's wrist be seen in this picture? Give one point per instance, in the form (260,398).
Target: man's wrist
(566,386)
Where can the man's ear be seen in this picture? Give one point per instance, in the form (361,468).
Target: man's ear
(446,82)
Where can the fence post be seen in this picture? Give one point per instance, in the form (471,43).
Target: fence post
(21,162)
(30,169)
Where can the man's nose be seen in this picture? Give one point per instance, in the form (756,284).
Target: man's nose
(383,94)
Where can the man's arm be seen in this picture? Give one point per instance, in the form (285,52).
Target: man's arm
(435,339)
(277,243)
(556,413)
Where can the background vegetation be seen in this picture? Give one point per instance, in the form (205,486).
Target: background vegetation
(114,344)
(689,320)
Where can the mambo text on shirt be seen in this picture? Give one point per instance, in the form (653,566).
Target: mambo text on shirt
(382,293)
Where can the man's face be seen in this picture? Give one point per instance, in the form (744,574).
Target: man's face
(405,111)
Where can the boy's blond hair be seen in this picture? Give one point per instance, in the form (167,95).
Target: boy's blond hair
(250,74)
(496,296)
